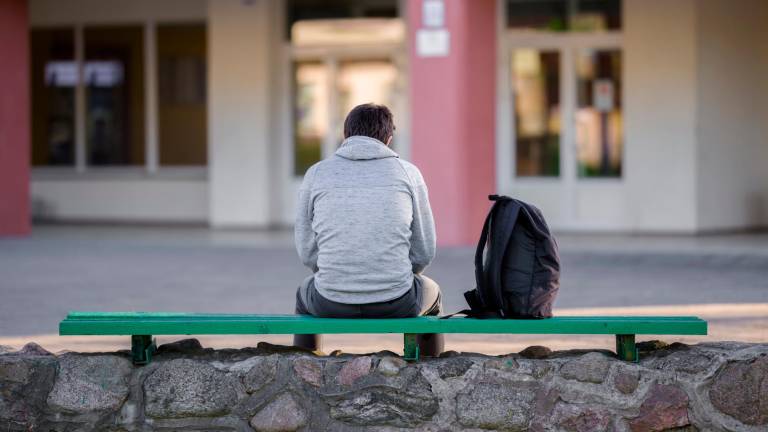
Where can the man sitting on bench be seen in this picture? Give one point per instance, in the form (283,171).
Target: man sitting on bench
(365,228)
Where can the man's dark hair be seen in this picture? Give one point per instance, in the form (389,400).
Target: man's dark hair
(370,120)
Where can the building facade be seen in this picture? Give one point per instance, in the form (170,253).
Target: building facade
(610,115)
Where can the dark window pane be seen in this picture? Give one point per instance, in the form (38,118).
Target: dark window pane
(181,51)
(592,15)
(564,15)
(310,113)
(54,76)
(536,94)
(298,10)
(537,14)
(599,116)
(114,80)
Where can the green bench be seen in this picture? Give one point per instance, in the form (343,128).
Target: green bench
(142,326)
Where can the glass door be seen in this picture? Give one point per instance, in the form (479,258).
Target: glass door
(331,66)
(325,91)
(560,119)
(599,114)
(537,111)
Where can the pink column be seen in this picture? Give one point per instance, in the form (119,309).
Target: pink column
(14,118)
(453,117)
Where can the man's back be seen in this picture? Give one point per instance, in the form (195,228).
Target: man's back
(364,223)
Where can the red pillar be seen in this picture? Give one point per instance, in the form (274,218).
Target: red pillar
(453,100)
(14,118)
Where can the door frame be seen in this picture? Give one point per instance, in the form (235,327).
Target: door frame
(332,56)
(567,185)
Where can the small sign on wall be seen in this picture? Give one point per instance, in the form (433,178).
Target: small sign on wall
(433,40)
(603,95)
(433,13)
(433,43)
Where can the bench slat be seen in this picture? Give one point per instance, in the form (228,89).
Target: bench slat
(153,323)
(215,316)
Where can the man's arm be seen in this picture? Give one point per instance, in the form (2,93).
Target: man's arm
(422,228)
(306,242)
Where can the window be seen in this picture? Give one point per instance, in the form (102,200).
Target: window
(599,115)
(181,52)
(536,94)
(311,105)
(564,15)
(114,80)
(356,82)
(344,53)
(54,76)
(364,81)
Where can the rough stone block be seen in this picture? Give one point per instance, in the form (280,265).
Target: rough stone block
(33,349)
(404,401)
(24,386)
(390,366)
(183,346)
(309,370)
(354,369)
(582,419)
(683,361)
(497,405)
(189,388)
(454,367)
(536,352)
(88,383)
(740,390)
(591,367)
(261,374)
(283,414)
(665,407)
(626,382)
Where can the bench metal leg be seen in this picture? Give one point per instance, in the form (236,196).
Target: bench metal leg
(410,347)
(142,348)
(626,349)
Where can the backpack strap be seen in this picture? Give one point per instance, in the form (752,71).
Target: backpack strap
(502,224)
(474,297)
(474,313)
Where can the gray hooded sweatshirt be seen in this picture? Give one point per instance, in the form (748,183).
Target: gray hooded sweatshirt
(363,223)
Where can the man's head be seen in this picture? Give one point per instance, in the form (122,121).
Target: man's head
(370,120)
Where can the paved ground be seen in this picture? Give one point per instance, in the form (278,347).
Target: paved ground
(62,268)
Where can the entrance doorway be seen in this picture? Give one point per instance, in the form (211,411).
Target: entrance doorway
(325,91)
(560,123)
(335,65)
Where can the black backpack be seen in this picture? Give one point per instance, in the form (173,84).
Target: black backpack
(517,265)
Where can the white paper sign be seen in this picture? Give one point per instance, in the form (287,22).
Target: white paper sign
(433,43)
(433,13)
(602,95)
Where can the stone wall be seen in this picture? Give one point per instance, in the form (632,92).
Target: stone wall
(708,387)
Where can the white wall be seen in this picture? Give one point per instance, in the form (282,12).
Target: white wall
(240,113)
(732,171)
(120,199)
(660,122)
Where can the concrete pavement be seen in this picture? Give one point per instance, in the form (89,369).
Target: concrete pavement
(61,268)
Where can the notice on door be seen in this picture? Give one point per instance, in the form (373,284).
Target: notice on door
(433,43)
(603,95)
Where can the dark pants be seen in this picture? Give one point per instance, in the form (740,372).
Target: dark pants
(422,299)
